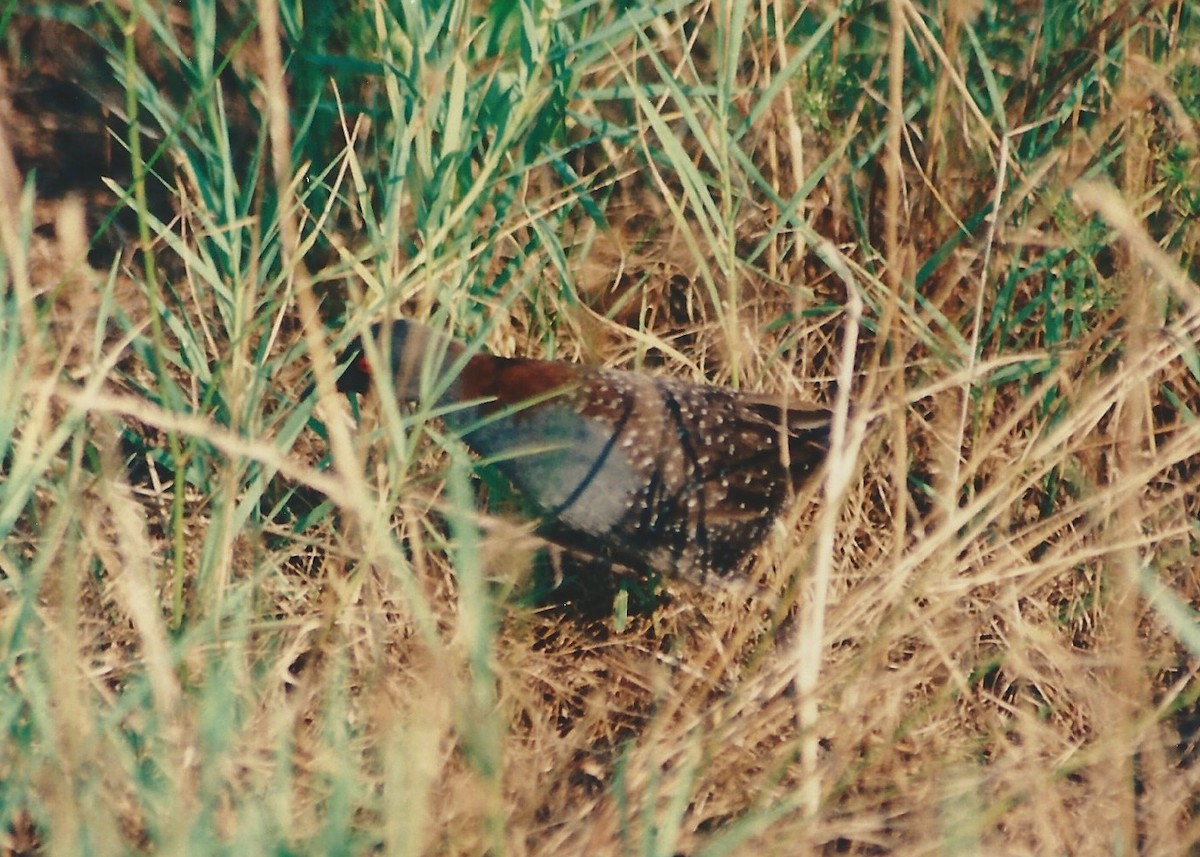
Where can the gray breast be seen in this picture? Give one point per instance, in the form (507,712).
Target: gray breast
(568,465)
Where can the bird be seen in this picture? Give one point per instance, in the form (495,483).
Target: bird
(655,474)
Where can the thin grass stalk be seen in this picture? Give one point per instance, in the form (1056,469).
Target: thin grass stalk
(166,385)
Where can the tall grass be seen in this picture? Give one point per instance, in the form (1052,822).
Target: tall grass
(237,616)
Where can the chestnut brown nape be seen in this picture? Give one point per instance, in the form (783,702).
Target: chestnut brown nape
(657,474)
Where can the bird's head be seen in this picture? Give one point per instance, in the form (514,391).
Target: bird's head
(409,345)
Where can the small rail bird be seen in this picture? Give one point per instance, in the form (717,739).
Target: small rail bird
(657,474)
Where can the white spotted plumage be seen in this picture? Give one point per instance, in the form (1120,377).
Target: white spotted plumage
(657,474)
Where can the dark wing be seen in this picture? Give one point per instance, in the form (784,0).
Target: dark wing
(722,477)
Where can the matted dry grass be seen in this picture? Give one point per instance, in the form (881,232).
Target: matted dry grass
(998,656)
